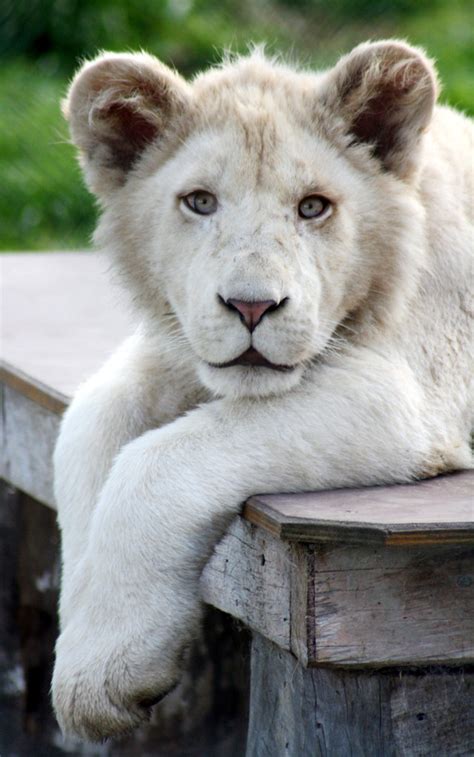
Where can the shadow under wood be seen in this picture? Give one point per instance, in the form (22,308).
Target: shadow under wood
(206,714)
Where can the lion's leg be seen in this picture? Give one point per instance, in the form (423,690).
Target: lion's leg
(134,391)
(169,498)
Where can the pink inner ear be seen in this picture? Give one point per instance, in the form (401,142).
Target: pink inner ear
(131,124)
(378,123)
(395,98)
(128,133)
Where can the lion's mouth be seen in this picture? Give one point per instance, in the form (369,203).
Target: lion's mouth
(254,358)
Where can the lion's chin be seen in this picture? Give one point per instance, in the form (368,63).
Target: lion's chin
(249,380)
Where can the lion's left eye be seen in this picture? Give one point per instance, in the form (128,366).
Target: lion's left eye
(201,202)
(313,206)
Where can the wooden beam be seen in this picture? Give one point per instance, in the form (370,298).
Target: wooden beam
(349,605)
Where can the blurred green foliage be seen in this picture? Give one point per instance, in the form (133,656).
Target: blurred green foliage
(43,203)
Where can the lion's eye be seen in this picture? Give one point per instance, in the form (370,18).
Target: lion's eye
(201,202)
(313,206)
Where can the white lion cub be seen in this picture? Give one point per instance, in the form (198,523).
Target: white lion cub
(298,246)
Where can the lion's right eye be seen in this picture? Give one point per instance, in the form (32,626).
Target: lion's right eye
(201,202)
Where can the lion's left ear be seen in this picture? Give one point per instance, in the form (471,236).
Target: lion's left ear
(385,92)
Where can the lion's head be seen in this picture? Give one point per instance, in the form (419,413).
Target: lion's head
(259,209)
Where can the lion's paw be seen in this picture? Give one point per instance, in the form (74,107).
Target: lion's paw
(104,688)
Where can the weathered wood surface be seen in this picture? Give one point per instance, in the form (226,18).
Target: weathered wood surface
(28,433)
(373,606)
(334,713)
(349,605)
(249,578)
(60,319)
(436,511)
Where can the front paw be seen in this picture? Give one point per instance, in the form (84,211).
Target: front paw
(105,686)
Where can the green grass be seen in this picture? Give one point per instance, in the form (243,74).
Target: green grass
(43,202)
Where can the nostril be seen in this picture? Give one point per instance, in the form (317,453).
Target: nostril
(278,305)
(251,313)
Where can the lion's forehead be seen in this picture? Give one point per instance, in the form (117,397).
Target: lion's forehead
(257,125)
(259,150)
(261,98)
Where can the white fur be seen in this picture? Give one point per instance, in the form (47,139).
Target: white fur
(158,451)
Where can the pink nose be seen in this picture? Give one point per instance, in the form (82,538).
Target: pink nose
(251,313)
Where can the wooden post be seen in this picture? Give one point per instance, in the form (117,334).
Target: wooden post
(362,609)
(323,712)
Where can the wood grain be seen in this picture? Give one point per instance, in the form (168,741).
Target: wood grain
(28,432)
(249,577)
(410,606)
(348,605)
(29,387)
(327,713)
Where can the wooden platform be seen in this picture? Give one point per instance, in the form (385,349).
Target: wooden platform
(60,319)
(379,579)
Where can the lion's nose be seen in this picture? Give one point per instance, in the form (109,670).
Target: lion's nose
(251,313)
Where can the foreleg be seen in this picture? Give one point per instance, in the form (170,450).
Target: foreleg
(170,496)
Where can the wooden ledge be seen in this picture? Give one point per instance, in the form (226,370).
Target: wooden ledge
(39,393)
(435,511)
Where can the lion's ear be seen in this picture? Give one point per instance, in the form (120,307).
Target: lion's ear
(116,106)
(385,92)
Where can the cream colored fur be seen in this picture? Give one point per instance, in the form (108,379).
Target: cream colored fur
(159,450)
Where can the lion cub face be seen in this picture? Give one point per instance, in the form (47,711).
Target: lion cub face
(254,247)
(259,208)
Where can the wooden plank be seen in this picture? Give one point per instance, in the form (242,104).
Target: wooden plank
(349,605)
(321,712)
(434,511)
(61,318)
(249,578)
(390,607)
(28,432)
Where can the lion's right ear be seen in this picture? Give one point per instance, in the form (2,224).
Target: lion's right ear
(116,106)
